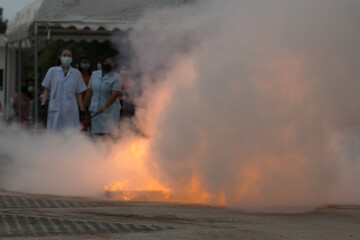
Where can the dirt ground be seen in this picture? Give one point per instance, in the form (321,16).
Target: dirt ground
(54,217)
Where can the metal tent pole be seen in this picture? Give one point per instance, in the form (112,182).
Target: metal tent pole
(19,81)
(36,74)
(6,90)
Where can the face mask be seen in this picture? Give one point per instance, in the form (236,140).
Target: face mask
(30,88)
(66,61)
(124,72)
(85,66)
(98,66)
(107,67)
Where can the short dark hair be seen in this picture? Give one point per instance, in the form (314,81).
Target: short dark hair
(24,80)
(79,61)
(113,58)
(63,49)
(83,57)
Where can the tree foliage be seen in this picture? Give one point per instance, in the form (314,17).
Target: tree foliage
(3,23)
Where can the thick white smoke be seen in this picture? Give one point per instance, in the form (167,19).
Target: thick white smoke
(255,102)
(255,99)
(66,163)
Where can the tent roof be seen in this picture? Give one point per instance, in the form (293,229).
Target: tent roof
(79,19)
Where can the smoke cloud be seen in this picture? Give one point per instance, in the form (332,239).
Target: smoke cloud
(67,163)
(249,103)
(257,101)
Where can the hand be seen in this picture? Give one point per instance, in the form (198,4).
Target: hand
(43,111)
(82,115)
(102,109)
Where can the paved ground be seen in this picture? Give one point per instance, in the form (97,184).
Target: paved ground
(53,217)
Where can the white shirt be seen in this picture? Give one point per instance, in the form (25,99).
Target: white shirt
(63,107)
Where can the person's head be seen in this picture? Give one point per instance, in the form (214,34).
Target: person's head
(109,63)
(98,64)
(31,82)
(65,57)
(124,71)
(84,64)
(31,87)
(24,85)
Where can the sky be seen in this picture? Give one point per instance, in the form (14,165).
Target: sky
(11,7)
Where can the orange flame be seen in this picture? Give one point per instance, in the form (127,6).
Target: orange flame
(137,178)
(140,180)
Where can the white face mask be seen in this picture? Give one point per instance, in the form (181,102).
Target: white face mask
(66,61)
(124,72)
(85,66)
(99,67)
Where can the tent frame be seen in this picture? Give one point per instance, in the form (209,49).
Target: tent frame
(36,73)
(37,23)
(43,31)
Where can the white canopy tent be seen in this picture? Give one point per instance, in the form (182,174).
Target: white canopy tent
(76,20)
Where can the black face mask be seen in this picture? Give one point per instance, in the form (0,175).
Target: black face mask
(107,67)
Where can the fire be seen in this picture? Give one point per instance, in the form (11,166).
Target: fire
(131,161)
(117,186)
(140,178)
(194,193)
(124,191)
(141,185)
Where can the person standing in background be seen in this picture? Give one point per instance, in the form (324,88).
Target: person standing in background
(84,66)
(98,65)
(31,87)
(85,69)
(26,98)
(64,84)
(104,90)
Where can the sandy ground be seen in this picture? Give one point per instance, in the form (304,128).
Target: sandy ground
(184,221)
